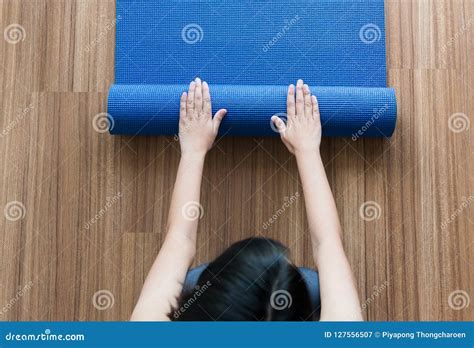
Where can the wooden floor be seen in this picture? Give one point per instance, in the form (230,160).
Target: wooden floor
(85,212)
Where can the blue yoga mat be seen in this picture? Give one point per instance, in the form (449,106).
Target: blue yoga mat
(249,52)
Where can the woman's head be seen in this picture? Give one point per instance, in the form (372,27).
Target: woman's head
(252,280)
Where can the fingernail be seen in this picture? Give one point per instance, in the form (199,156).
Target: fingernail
(198,80)
(300,82)
(291,86)
(204,83)
(192,84)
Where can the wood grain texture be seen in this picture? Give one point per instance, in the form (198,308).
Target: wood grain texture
(95,206)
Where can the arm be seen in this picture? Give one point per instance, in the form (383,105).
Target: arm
(197,132)
(302,137)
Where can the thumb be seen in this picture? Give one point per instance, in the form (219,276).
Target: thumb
(279,123)
(218,117)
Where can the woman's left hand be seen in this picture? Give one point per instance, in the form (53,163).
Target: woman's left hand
(197,128)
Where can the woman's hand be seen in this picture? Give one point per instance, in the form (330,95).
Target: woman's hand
(197,128)
(302,132)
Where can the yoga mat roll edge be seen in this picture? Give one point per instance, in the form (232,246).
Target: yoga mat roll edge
(345,111)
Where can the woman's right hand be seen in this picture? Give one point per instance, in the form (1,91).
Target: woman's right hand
(302,131)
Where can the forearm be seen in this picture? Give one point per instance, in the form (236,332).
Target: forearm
(339,295)
(321,209)
(185,209)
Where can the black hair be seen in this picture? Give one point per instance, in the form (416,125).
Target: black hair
(253,280)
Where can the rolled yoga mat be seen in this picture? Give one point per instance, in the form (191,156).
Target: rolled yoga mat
(249,52)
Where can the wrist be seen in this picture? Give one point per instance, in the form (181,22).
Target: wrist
(307,153)
(193,155)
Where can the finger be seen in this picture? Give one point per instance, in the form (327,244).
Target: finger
(218,117)
(198,96)
(290,102)
(279,123)
(299,99)
(190,104)
(308,104)
(315,107)
(182,105)
(206,94)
